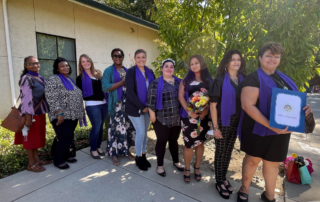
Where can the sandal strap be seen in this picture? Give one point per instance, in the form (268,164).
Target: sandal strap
(221,188)
(186,176)
(243,194)
(228,185)
(186,169)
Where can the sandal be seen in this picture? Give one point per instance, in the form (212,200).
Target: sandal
(222,190)
(239,199)
(197,175)
(265,199)
(43,163)
(228,187)
(36,168)
(115,161)
(186,176)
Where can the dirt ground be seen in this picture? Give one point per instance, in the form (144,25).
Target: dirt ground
(235,167)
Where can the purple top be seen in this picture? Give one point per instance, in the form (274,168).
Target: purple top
(32,92)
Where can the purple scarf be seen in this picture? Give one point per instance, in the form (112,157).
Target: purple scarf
(36,74)
(66,82)
(141,83)
(86,85)
(160,89)
(265,93)
(228,99)
(116,78)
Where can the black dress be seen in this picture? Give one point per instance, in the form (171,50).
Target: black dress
(272,147)
(189,125)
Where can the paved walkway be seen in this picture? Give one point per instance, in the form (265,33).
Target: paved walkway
(100,180)
(309,147)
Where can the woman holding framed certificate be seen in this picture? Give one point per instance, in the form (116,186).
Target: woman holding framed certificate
(258,140)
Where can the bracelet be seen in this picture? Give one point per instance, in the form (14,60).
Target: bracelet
(216,129)
(61,114)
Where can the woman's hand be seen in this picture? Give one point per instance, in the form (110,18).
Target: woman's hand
(145,110)
(193,115)
(307,109)
(281,131)
(28,120)
(204,113)
(217,134)
(60,120)
(153,119)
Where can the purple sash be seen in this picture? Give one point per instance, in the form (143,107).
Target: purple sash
(36,74)
(141,83)
(86,85)
(228,100)
(66,82)
(265,93)
(116,78)
(159,91)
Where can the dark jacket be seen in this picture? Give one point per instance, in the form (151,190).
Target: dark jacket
(133,103)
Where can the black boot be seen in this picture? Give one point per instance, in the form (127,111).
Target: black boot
(140,163)
(146,162)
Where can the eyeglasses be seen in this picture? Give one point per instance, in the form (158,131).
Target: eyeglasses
(117,56)
(33,64)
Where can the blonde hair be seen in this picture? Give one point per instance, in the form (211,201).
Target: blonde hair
(95,72)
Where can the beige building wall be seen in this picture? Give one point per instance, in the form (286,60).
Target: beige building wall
(95,33)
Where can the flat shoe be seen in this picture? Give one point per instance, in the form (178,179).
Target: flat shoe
(163,174)
(101,154)
(65,167)
(72,160)
(95,157)
(179,168)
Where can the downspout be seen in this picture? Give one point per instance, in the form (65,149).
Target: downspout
(6,27)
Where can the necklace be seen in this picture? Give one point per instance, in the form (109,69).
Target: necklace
(236,81)
(170,81)
(280,82)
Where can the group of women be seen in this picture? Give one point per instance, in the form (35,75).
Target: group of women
(239,105)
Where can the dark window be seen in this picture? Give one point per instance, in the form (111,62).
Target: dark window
(50,47)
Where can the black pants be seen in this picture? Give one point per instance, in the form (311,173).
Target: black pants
(165,134)
(64,135)
(224,148)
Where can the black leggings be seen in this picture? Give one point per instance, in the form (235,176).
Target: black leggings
(64,135)
(165,134)
(224,148)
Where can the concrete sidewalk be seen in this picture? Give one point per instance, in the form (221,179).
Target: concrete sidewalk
(309,147)
(100,180)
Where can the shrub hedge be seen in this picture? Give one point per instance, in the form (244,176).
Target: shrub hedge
(13,158)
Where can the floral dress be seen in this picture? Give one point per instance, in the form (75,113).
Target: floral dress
(189,126)
(121,132)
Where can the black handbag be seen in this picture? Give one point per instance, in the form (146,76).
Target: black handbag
(310,123)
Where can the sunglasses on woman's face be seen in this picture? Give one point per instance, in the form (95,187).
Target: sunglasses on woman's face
(117,56)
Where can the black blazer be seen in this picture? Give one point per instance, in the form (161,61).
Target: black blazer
(133,103)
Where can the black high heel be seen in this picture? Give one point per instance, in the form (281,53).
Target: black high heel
(239,199)
(219,184)
(228,187)
(186,177)
(197,175)
(265,199)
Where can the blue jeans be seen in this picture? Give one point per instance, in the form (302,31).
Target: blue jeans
(141,124)
(97,115)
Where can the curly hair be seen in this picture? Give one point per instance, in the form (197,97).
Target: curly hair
(226,60)
(56,65)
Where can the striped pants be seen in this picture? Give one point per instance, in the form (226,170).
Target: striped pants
(224,148)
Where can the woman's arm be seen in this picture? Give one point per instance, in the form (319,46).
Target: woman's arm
(117,85)
(152,100)
(214,117)
(183,101)
(249,97)
(131,95)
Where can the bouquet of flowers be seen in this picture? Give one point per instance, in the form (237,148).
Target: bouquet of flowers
(198,102)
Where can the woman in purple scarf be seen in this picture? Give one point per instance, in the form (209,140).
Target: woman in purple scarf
(259,141)
(225,108)
(89,82)
(137,82)
(196,81)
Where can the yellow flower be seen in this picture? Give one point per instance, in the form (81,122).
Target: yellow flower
(198,104)
(189,109)
(203,102)
(294,155)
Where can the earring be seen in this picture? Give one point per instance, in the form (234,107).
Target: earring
(225,69)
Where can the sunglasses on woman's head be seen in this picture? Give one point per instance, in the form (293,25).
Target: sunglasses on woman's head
(117,56)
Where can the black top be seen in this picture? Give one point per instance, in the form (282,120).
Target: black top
(170,114)
(215,93)
(252,80)
(98,94)
(133,103)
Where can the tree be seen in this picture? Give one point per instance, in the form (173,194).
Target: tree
(213,27)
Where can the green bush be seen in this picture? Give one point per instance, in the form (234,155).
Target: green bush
(13,158)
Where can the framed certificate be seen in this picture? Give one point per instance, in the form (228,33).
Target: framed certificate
(286,109)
